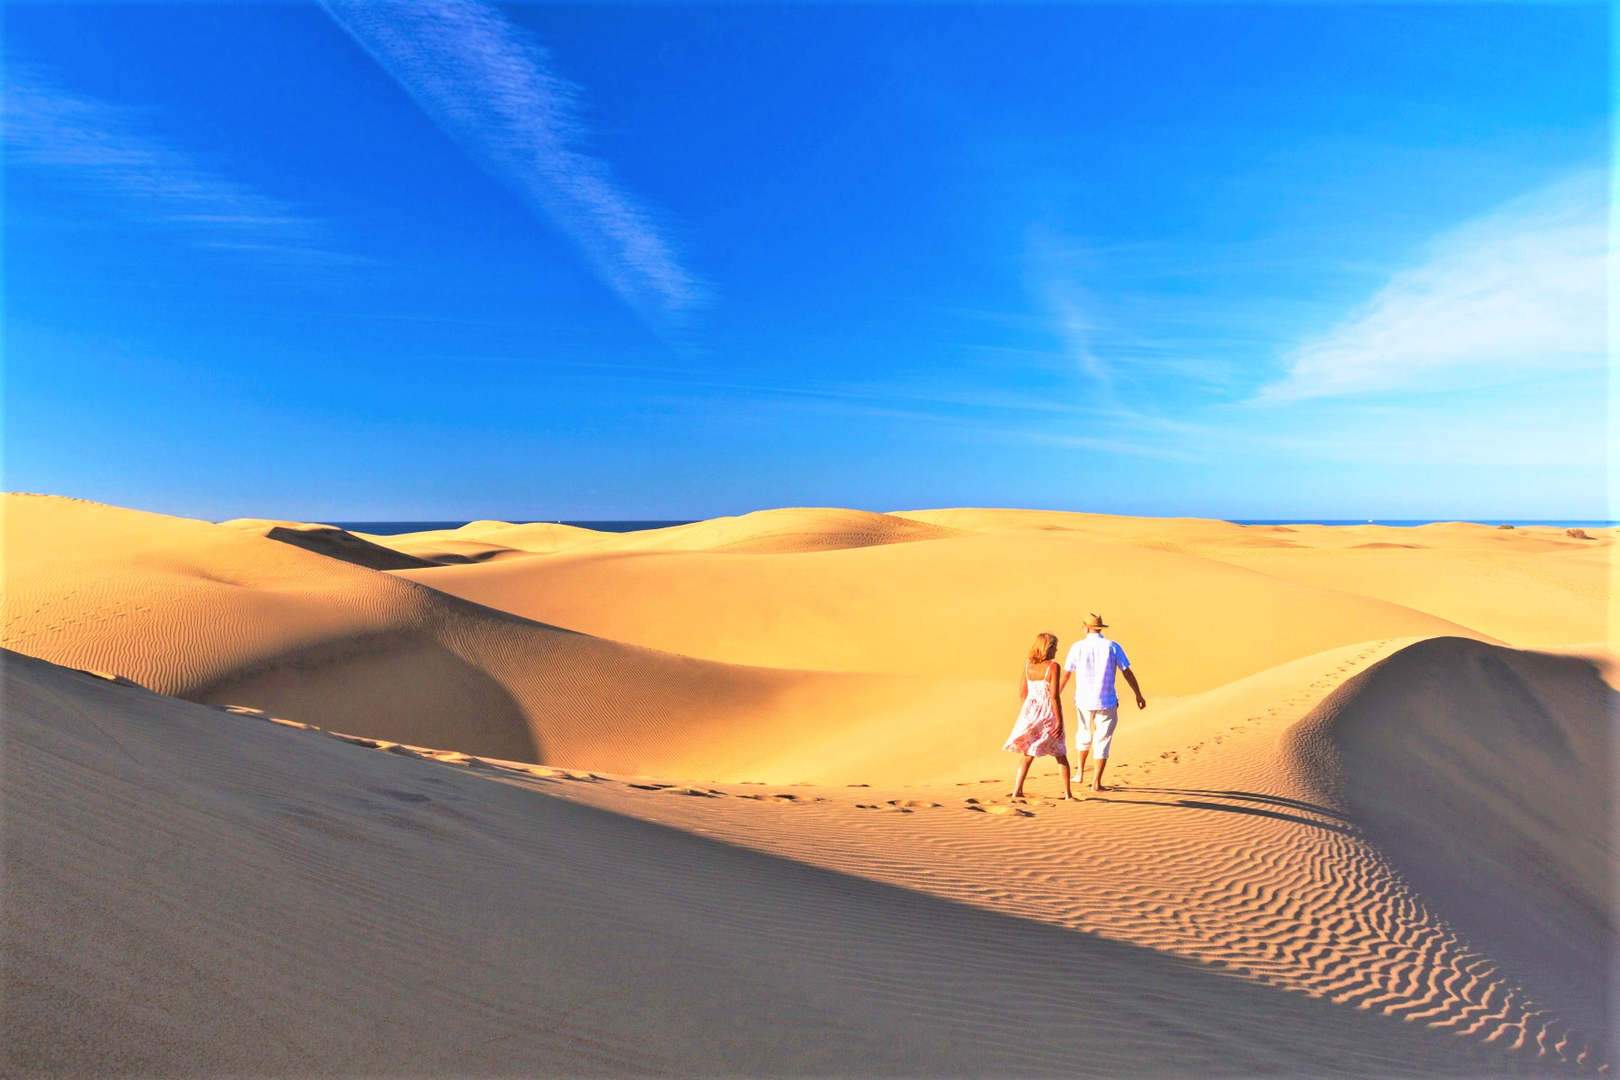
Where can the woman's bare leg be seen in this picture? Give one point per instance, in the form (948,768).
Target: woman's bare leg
(1063,764)
(1018,777)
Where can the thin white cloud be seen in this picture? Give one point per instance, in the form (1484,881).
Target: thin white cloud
(491,87)
(1122,343)
(1519,292)
(112,151)
(1076,329)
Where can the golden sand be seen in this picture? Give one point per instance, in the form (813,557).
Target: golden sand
(728,798)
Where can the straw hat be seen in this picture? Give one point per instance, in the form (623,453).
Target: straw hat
(1095,622)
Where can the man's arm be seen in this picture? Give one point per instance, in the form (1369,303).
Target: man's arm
(1130,677)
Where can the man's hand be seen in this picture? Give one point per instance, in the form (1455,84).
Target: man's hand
(1136,688)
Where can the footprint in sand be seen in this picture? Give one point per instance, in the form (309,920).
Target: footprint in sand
(912,804)
(651,787)
(1003,811)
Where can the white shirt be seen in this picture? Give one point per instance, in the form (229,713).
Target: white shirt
(1094,659)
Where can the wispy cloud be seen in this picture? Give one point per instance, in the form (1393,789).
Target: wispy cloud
(114,152)
(1077,329)
(492,88)
(1070,309)
(1520,291)
(1123,327)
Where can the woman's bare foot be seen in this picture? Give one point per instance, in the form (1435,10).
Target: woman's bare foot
(1068,796)
(1015,795)
(1099,787)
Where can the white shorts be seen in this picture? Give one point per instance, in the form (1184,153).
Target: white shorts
(1094,731)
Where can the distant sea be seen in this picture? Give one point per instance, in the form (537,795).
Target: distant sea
(392,528)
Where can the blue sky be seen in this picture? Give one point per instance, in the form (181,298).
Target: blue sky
(454,260)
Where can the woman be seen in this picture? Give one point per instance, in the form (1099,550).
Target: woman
(1039,730)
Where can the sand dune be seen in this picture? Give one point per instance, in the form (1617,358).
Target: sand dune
(481,541)
(960,605)
(220,614)
(331,541)
(761,532)
(781,532)
(1233,842)
(1354,832)
(195,893)
(1532,585)
(1488,776)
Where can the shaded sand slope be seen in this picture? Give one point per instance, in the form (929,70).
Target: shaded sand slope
(190,892)
(761,532)
(331,541)
(1487,776)
(1231,841)
(223,615)
(945,607)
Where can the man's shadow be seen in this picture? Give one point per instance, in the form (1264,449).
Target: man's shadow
(1276,807)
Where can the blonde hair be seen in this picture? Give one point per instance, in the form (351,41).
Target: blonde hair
(1045,648)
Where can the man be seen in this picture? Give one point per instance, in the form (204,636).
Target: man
(1095,659)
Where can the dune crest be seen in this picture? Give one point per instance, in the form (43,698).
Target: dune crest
(331,541)
(760,532)
(482,541)
(1486,776)
(797,529)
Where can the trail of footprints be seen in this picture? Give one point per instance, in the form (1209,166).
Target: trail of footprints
(1025,807)
(1326,915)
(1005,808)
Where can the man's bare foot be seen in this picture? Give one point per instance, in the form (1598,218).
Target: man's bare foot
(1068,796)
(1015,795)
(1099,787)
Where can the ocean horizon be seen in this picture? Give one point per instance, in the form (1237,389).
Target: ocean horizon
(618,525)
